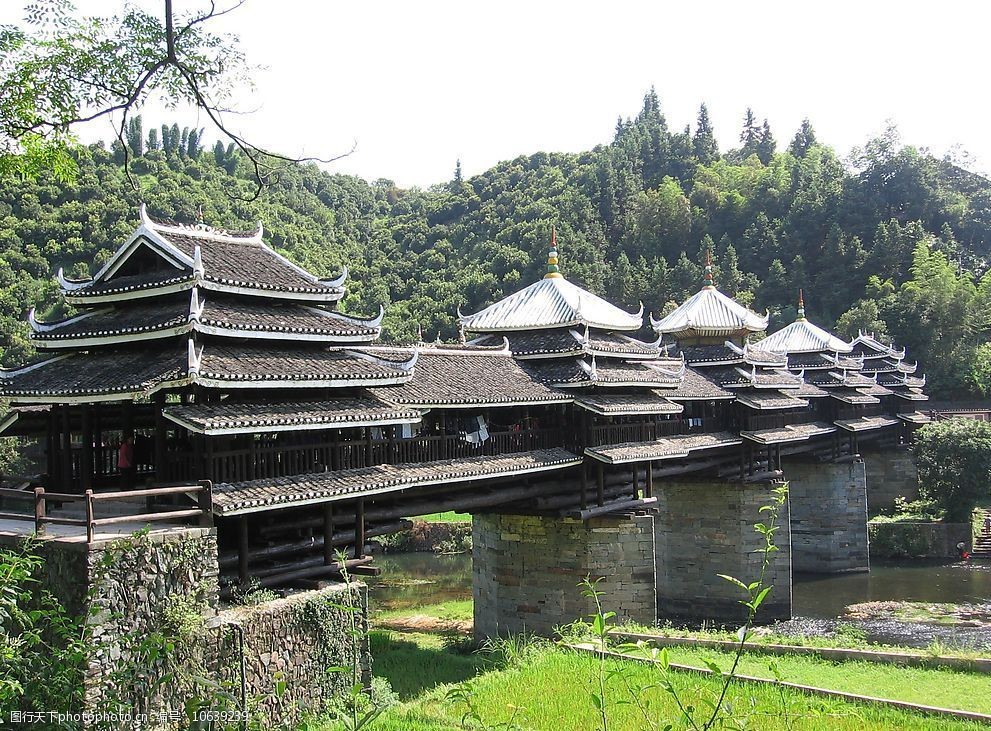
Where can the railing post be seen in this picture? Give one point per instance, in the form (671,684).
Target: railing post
(90,527)
(39,510)
(204,500)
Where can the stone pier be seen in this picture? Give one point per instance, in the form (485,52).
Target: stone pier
(526,571)
(706,528)
(828,516)
(892,473)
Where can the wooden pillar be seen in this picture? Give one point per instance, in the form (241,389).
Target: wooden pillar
(198,472)
(442,421)
(368,446)
(66,451)
(649,490)
(128,421)
(359,530)
(335,450)
(161,471)
(242,549)
(86,458)
(328,534)
(51,449)
(600,485)
(636,485)
(584,489)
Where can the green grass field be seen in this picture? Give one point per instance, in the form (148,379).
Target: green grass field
(550,688)
(449,517)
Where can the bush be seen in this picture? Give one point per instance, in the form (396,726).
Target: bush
(954,460)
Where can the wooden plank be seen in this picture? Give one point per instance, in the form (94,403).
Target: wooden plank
(148,517)
(145,492)
(619,505)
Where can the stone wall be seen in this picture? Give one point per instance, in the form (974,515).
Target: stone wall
(828,516)
(891,473)
(918,540)
(140,593)
(703,529)
(293,641)
(526,571)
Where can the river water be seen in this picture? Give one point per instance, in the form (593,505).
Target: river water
(411,580)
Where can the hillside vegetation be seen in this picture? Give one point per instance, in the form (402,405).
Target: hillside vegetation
(893,240)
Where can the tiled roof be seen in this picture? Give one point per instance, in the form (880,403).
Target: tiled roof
(262,317)
(853,396)
(730,354)
(764,400)
(869,347)
(808,390)
(667,448)
(733,377)
(229,417)
(551,303)
(900,379)
(239,365)
(865,423)
(132,320)
(909,394)
(285,492)
(616,343)
(623,404)
(453,378)
(710,312)
(604,372)
(95,374)
(789,433)
(131,283)
(915,417)
(802,336)
(570,341)
(696,387)
(875,390)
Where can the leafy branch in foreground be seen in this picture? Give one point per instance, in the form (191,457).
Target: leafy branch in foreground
(69,71)
(718,710)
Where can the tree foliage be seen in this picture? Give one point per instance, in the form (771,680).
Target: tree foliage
(954,460)
(896,243)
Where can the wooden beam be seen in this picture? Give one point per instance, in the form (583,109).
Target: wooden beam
(650,480)
(66,452)
(584,488)
(242,549)
(619,505)
(600,483)
(328,533)
(359,530)
(86,457)
(160,431)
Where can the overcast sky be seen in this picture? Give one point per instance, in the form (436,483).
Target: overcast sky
(418,85)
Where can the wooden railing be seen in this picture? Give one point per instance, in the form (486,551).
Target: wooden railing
(636,432)
(41,498)
(265,459)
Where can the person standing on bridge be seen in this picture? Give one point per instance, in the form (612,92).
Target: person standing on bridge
(125,461)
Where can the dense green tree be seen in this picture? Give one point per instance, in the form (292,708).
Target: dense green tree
(766,146)
(803,140)
(954,460)
(704,144)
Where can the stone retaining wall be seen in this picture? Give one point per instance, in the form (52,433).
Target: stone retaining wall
(828,516)
(526,571)
(918,540)
(140,592)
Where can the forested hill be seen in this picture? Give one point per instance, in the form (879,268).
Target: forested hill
(895,241)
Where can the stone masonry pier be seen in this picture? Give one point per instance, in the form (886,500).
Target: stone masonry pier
(706,528)
(526,571)
(828,516)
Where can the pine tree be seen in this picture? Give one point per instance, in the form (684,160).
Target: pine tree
(135,136)
(750,135)
(218,153)
(152,143)
(803,139)
(458,177)
(704,142)
(766,146)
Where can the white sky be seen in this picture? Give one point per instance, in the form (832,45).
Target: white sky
(419,84)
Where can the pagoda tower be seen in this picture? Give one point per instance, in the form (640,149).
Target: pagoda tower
(712,333)
(856,402)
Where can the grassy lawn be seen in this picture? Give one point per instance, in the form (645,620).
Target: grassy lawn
(452,610)
(549,688)
(944,688)
(449,517)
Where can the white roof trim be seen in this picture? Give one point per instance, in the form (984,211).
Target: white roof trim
(43,327)
(301,426)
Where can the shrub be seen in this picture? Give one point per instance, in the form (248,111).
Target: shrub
(954,460)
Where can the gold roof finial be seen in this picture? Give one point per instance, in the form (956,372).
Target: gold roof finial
(708,268)
(552,269)
(801,305)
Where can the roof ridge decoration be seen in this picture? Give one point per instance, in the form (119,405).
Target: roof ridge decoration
(801,305)
(41,327)
(803,336)
(707,276)
(553,272)
(193,359)
(404,366)
(200,229)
